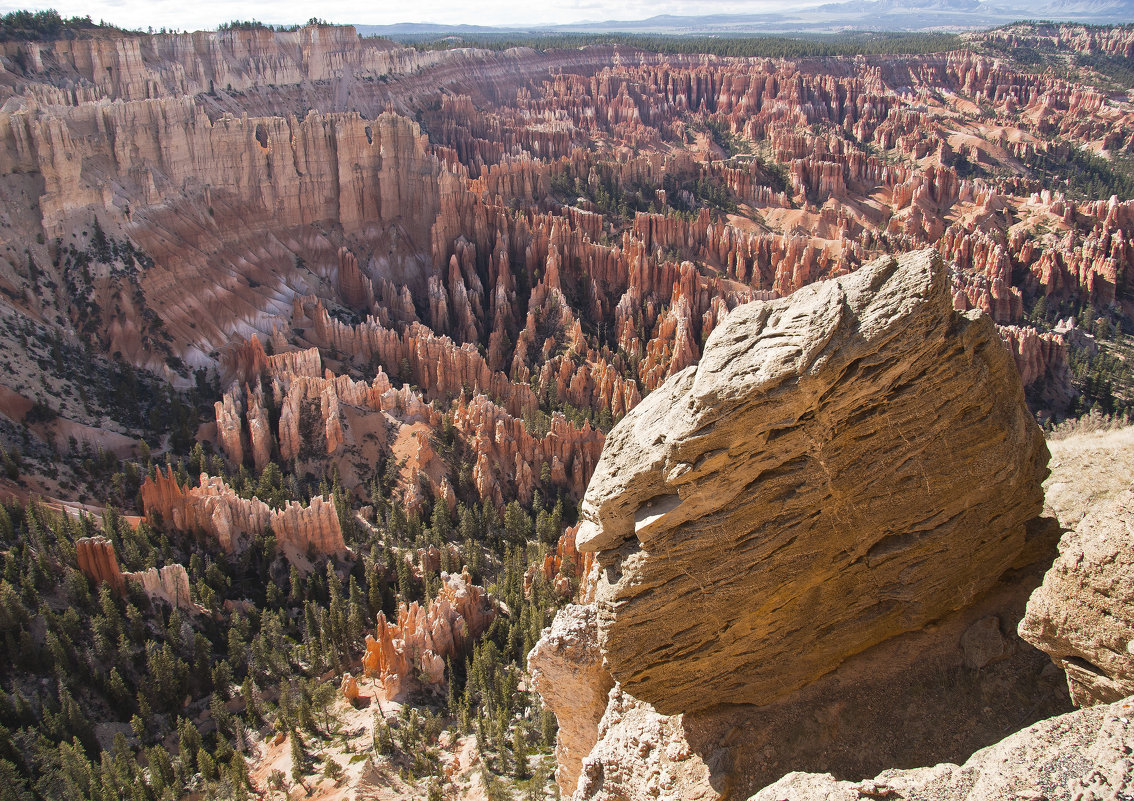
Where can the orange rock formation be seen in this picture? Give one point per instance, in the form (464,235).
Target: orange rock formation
(411,653)
(214,509)
(98,562)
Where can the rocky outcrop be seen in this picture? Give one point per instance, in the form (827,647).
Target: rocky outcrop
(724,521)
(228,427)
(349,688)
(214,509)
(861,453)
(1080,755)
(169,584)
(1118,40)
(410,655)
(567,671)
(99,563)
(1083,615)
(304,530)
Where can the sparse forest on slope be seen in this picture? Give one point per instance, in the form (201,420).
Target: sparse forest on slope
(328,333)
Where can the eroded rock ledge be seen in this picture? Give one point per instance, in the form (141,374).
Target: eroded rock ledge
(1082,755)
(844,465)
(1083,614)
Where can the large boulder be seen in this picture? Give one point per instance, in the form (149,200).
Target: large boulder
(844,465)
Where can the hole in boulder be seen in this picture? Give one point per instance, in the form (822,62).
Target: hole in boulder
(655,509)
(262,135)
(1083,664)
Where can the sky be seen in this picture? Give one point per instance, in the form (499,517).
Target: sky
(207,14)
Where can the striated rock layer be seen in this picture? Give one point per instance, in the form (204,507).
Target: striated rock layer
(859,455)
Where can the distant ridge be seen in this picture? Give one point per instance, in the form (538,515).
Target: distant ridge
(869,15)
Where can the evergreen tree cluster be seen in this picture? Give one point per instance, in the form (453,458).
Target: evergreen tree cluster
(771,46)
(77,659)
(42,26)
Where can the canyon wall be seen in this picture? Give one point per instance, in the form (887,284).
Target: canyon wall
(516,233)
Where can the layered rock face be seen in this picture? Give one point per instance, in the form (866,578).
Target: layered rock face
(140,67)
(860,456)
(928,696)
(941,683)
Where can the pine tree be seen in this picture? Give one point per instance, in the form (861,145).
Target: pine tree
(298,758)
(356,615)
(520,767)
